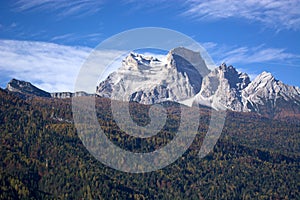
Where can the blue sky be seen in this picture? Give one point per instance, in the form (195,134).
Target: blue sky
(46,41)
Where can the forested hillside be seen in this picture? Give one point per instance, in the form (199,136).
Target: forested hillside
(42,157)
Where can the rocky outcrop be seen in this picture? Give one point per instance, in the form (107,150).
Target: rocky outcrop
(25,88)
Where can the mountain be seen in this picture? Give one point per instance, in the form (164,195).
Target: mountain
(149,80)
(225,88)
(25,88)
(271,97)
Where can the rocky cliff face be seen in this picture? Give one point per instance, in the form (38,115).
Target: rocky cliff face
(221,89)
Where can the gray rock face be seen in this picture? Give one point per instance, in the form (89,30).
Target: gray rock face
(221,89)
(185,61)
(148,80)
(25,88)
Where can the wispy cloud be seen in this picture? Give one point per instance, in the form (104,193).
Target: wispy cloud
(277,14)
(242,57)
(50,66)
(259,55)
(62,37)
(253,60)
(62,7)
(71,37)
(250,55)
(53,67)
(209,45)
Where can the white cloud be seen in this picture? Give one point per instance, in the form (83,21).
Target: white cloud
(51,67)
(208,45)
(62,37)
(71,37)
(63,7)
(242,57)
(249,55)
(276,14)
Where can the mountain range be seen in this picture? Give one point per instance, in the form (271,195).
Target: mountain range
(148,80)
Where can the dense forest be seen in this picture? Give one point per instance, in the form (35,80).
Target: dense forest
(42,156)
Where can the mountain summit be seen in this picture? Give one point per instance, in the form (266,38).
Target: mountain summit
(268,96)
(149,80)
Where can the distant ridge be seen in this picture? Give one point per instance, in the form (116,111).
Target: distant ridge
(63,95)
(26,88)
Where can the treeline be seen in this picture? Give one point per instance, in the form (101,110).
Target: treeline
(42,157)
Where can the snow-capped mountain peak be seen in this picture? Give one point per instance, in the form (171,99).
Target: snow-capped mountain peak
(264,78)
(266,95)
(148,80)
(136,61)
(265,75)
